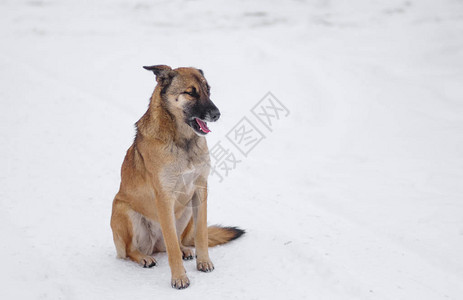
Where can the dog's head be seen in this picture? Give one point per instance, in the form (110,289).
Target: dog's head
(187,95)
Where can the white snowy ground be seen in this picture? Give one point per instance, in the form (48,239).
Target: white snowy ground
(357,194)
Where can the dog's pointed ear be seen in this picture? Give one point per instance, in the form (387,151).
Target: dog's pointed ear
(157,69)
(163,73)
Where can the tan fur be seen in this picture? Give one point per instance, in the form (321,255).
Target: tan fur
(216,236)
(162,201)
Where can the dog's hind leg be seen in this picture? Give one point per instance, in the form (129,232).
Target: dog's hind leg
(187,241)
(123,235)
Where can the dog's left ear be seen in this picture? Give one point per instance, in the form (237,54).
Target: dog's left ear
(164,74)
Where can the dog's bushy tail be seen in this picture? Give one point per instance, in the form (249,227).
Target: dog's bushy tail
(219,235)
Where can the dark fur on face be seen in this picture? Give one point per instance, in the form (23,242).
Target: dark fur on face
(187,94)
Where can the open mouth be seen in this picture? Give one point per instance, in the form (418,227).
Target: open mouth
(199,126)
(202,125)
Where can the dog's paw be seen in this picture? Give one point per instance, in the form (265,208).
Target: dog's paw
(205,265)
(181,282)
(148,262)
(187,253)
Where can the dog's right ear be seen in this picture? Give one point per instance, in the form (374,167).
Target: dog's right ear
(164,74)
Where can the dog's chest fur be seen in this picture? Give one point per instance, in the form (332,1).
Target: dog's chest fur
(188,170)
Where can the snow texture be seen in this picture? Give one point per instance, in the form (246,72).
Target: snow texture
(356,194)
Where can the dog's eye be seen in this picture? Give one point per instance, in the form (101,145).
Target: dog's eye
(192,93)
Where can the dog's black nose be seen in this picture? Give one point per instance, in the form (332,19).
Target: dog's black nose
(214,114)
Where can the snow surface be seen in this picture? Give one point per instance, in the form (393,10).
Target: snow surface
(357,194)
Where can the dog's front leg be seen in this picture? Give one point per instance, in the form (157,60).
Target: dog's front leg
(167,221)
(203,262)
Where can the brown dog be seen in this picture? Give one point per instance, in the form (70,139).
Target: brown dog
(162,201)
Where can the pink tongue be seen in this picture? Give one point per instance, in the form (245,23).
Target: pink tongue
(202,125)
